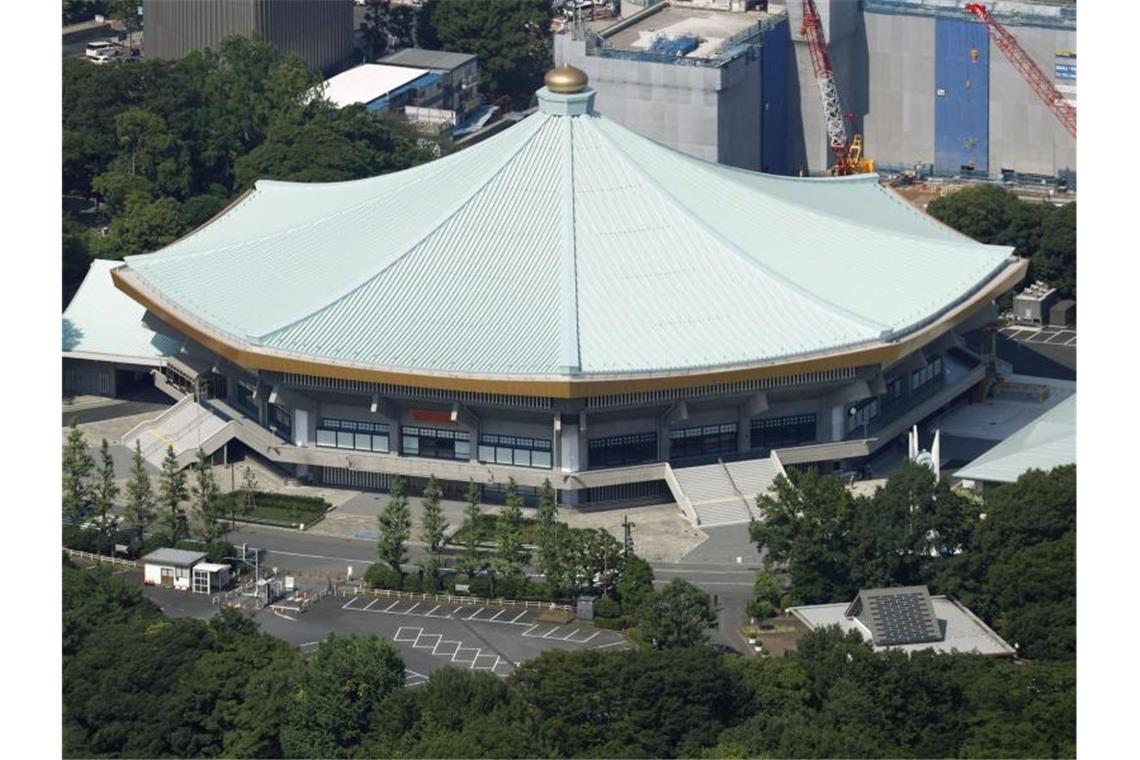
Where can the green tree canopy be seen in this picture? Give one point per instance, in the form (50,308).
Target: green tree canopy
(677,616)
(395,523)
(510,37)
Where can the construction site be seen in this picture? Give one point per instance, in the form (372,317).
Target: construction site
(929,88)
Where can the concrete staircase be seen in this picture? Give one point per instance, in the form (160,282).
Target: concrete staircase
(723,494)
(186,426)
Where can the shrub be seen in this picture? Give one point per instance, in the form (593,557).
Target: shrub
(606,607)
(413,583)
(761,609)
(379,575)
(480,586)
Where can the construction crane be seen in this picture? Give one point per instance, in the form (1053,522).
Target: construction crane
(1041,84)
(849,158)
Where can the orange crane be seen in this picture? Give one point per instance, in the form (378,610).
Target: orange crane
(1041,84)
(849,158)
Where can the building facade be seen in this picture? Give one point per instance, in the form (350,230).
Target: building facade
(320,31)
(919,80)
(566,301)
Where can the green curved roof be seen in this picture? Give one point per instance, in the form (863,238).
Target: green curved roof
(568,245)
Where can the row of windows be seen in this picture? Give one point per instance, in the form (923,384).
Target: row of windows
(863,414)
(921,377)
(515,440)
(620,450)
(354,425)
(353,434)
(775,432)
(435,443)
(517,450)
(706,440)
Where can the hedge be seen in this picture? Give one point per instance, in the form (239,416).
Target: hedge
(485,527)
(309,505)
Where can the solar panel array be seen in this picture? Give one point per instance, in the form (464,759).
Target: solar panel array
(905,617)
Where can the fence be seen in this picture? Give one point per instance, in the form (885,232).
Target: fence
(75,553)
(356,590)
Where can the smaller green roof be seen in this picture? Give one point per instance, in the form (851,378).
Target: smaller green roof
(104,323)
(1047,442)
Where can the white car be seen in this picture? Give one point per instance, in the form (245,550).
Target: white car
(101,49)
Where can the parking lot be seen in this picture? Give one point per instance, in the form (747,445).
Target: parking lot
(431,636)
(1046,335)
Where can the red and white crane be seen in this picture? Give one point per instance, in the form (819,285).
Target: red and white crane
(1041,84)
(848,155)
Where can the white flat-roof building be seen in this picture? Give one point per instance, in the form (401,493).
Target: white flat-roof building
(908,619)
(170,568)
(377,86)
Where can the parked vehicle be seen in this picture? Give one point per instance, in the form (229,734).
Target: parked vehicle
(98,49)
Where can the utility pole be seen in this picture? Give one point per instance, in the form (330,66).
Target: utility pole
(628,527)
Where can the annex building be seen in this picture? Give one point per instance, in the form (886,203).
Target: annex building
(566,300)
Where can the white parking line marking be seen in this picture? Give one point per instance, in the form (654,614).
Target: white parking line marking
(348,604)
(588,638)
(528,630)
(552,630)
(372,603)
(409,610)
(1072,341)
(611,644)
(403,637)
(390,606)
(433,609)
(478,657)
(455,658)
(456,611)
(474,614)
(424,641)
(439,650)
(521,614)
(500,612)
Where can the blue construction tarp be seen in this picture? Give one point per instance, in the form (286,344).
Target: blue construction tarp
(681,45)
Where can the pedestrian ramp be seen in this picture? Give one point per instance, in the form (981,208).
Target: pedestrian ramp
(723,493)
(185,427)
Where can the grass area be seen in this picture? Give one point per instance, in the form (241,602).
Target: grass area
(275,508)
(485,530)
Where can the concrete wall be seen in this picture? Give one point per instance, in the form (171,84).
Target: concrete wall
(320,31)
(899,125)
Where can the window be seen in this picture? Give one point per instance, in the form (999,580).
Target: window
(863,414)
(702,441)
(435,443)
(516,450)
(281,421)
(931,371)
(620,450)
(350,434)
(774,432)
(245,400)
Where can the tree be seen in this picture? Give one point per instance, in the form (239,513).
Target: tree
(550,554)
(375,28)
(106,490)
(635,583)
(676,617)
(472,561)
(395,522)
(593,558)
(139,509)
(171,493)
(510,37)
(77,466)
(340,688)
(433,524)
(207,500)
(512,555)
(249,488)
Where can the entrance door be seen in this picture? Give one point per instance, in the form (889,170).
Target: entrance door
(167,577)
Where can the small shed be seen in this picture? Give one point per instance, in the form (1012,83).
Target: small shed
(208,577)
(170,568)
(1063,313)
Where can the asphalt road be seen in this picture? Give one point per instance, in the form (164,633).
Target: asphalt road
(314,556)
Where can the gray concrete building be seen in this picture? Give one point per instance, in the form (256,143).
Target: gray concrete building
(920,79)
(320,31)
(706,78)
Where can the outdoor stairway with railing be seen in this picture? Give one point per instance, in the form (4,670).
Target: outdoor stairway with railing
(724,494)
(186,426)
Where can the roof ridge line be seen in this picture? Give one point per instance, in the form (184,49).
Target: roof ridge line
(569,350)
(360,282)
(266,185)
(735,249)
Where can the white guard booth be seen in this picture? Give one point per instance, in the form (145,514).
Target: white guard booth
(170,568)
(208,577)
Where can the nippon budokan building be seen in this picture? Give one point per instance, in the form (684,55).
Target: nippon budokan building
(565,300)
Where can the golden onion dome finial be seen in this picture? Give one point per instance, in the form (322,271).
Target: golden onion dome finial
(566,79)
